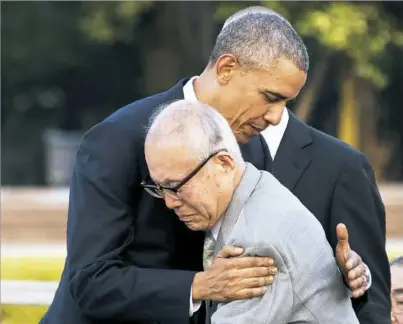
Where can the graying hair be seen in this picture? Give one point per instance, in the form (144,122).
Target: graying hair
(250,10)
(397,261)
(205,129)
(258,38)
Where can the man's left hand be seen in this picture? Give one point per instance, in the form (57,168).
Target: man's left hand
(350,263)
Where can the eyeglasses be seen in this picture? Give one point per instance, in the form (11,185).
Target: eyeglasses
(159,191)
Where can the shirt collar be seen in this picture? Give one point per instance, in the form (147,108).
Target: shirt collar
(188,90)
(216,229)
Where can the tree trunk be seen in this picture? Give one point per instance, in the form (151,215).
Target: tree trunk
(177,43)
(377,151)
(349,111)
(306,101)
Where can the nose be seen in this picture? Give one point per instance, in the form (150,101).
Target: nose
(172,202)
(274,114)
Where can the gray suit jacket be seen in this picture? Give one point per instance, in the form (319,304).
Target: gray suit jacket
(266,219)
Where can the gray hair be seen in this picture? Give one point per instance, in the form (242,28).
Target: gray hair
(258,37)
(398,261)
(251,10)
(196,125)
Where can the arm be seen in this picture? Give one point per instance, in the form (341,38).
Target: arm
(274,307)
(357,204)
(101,224)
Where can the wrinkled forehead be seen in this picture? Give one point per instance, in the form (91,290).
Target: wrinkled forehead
(167,161)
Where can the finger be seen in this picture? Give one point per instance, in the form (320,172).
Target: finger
(229,251)
(256,282)
(358,292)
(255,272)
(355,262)
(356,272)
(273,270)
(342,237)
(251,293)
(357,283)
(251,262)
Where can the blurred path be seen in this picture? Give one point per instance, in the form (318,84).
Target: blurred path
(393,245)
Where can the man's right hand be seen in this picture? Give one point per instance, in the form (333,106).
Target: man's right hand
(232,277)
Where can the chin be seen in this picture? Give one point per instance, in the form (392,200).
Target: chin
(195,227)
(242,138)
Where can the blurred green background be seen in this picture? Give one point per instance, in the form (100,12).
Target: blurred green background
(67,65)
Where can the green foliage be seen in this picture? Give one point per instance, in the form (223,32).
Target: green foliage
(28,268)
(15,314)
(362,31)
(32,268)
(108,22)
(49,37)
(29,50)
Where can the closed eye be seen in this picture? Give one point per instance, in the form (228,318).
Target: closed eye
(169,183)
(270,100)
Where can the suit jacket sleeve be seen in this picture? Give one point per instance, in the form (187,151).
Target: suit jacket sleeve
(358,204)
(101,224)
(274,307)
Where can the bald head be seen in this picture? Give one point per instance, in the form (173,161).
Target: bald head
(191,126)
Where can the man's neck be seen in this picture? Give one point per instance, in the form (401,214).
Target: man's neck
(240,170)
(204,88)
(237,178)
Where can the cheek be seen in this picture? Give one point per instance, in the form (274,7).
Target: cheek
(196,198)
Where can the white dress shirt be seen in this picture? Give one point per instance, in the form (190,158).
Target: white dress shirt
(273,136)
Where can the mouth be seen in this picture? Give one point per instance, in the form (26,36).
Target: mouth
(255,130)
(258,129)
(185,218)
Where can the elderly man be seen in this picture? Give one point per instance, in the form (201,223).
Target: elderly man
(396,269)
(128,257)
(236,204)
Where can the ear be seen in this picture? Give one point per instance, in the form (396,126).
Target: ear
(224,161)
(225,67)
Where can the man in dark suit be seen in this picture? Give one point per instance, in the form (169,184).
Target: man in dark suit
(129,258)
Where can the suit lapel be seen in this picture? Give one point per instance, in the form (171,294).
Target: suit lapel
(247,184)
(253,152)
(293,155)
(176,92)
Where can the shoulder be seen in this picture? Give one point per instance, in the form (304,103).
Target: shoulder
(275,209)
(333,148)
(128,123)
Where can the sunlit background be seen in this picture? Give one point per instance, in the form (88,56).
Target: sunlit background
(67,65)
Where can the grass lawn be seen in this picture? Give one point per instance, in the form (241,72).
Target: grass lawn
(43,269)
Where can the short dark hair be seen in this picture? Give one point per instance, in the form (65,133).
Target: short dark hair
(397,261)
(259,40)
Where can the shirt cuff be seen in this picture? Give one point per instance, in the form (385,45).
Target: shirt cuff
(368,277)
(193,306)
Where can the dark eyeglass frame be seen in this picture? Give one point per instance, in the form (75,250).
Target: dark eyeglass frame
(158,190)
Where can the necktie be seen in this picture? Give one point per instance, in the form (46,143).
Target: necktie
(208,250)
(208,255)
